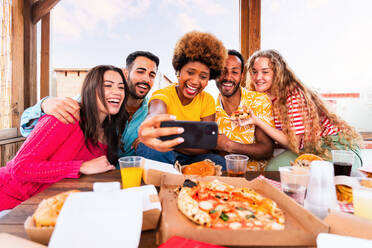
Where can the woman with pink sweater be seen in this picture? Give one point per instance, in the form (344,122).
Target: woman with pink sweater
(54,150)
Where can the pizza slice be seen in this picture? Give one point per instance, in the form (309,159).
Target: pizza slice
(239,115)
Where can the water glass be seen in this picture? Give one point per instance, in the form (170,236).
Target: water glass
(236,165)
(321,190)
(342,162)
(294,182)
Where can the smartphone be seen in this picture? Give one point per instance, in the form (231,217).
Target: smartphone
(197,134)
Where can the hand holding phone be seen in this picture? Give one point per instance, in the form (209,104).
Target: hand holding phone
(197,134)
(149,133)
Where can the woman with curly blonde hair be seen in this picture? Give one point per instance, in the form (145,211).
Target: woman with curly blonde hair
(198,57)
(303,122)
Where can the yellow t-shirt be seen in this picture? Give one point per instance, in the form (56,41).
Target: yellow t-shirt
(261,107)
(201,106)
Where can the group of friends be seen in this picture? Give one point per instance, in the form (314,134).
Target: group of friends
(113,117)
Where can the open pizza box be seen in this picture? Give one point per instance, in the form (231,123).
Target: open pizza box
(153,171)
(301,227)
(150,215)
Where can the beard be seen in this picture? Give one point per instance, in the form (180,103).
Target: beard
(132,89)
(227,94)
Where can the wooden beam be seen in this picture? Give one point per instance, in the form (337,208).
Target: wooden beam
(30,56)
(244,28)
(44,58)
(254,34)
(17,105)
(41,8)
(250,27)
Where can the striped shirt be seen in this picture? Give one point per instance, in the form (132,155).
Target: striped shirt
(297,120)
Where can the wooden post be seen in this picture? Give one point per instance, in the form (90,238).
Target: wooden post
(17,104)
(44,58)
(30,56)
(250,28)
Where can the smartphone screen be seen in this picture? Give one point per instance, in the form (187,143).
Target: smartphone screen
(197,134)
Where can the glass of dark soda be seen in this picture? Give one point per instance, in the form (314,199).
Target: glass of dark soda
(342,162)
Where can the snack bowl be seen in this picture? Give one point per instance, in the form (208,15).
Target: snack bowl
(38,234)
(202,168)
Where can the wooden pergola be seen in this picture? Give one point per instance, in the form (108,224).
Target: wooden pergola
(26,15)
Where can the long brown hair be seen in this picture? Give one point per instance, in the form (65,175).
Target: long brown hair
(113,125)
(286,83)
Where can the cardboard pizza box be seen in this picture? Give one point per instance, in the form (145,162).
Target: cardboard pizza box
(349,225)
(153,171)
(8,240)
(150,216)
(301,227)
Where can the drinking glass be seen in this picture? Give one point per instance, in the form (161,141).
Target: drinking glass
(236,165)
(321,190)
(131,171)
(342,162)
(362,198)
(294,182)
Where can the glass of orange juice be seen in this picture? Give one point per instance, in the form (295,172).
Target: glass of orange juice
(362,198)
(131,168)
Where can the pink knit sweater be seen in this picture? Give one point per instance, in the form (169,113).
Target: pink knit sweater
(53,151)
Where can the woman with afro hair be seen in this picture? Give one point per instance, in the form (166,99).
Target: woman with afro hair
(303,122)
(198,57)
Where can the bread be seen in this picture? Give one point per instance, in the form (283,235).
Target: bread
(48,210)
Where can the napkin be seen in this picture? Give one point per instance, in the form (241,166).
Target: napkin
(99,219)
(106,186)
(326,240)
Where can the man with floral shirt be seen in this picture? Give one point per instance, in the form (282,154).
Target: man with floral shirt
(233,138)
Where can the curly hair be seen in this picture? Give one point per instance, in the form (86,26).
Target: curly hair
(286,83)
(201,47)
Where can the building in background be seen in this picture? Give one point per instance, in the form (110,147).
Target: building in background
(67,82)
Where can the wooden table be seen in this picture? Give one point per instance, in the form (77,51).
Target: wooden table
(13,222)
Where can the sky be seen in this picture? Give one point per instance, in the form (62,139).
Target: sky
(326,42)
(91,32)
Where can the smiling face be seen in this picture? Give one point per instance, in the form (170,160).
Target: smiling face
(114,93)
(229,81)
(140,77)
(193,78)
(262,74)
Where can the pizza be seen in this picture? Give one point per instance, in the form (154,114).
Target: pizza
(219,205)
(239,115)
(48,210)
